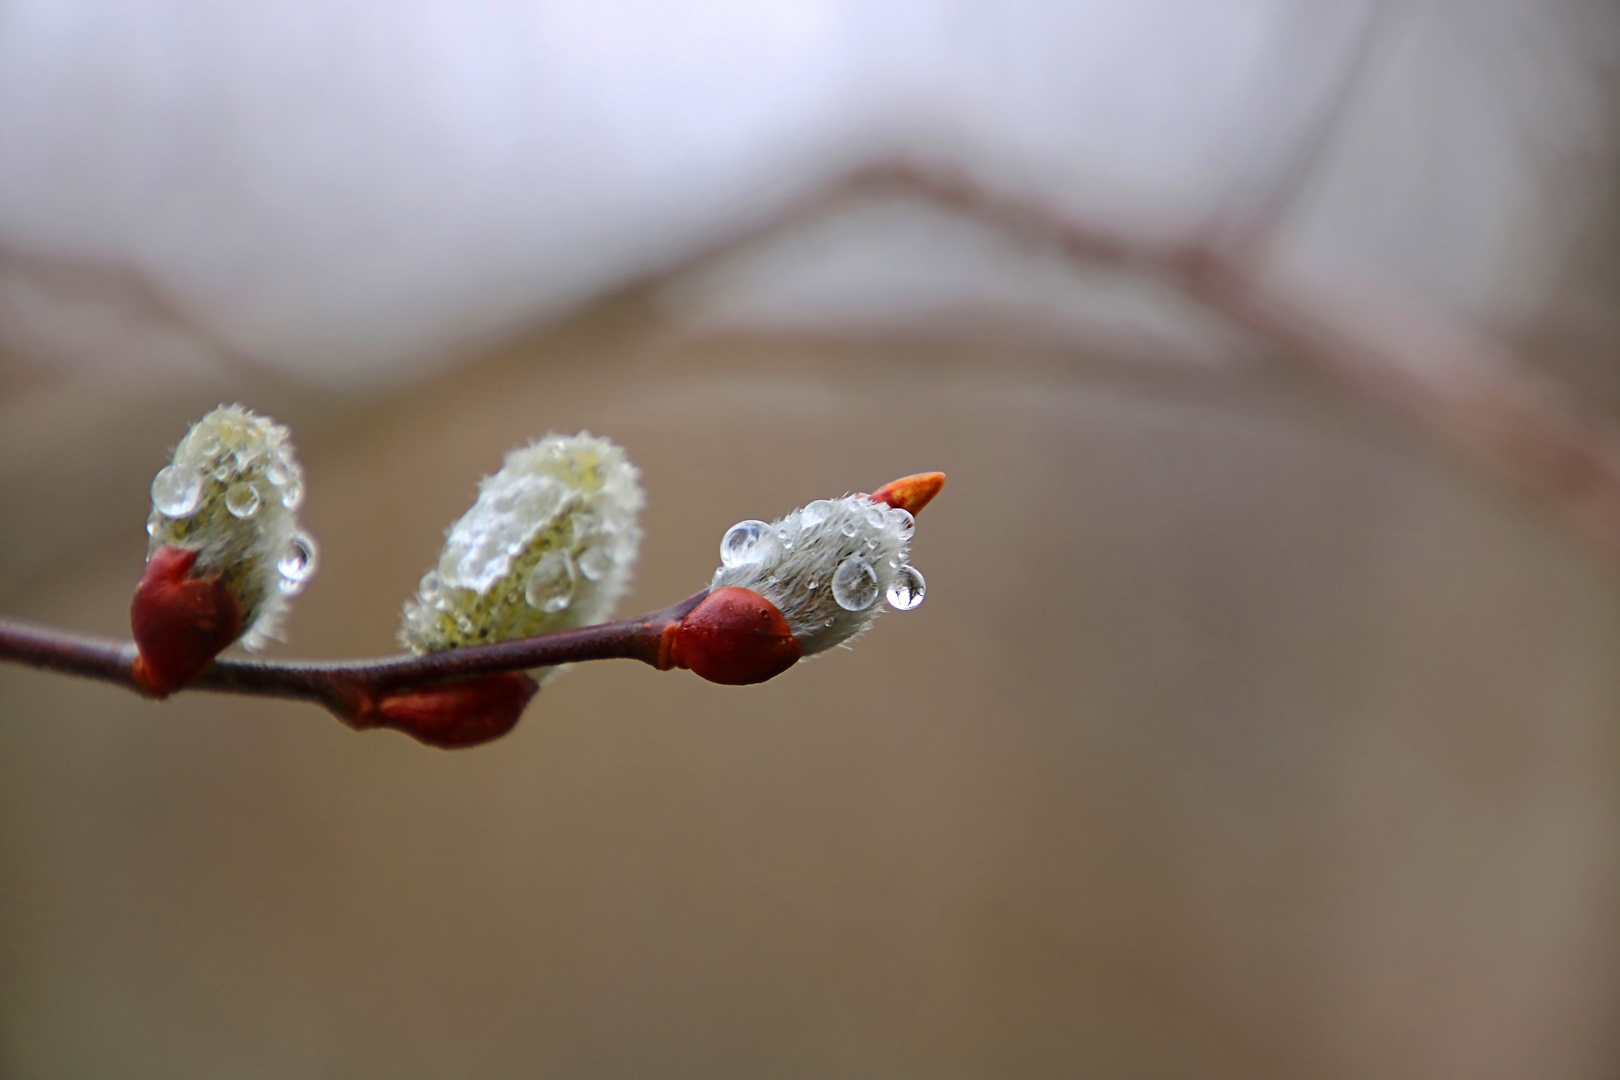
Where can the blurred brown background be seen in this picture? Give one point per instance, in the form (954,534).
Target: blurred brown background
(1245,732)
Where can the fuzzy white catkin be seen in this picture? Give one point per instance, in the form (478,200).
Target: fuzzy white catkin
(549,545)
(794,563)
(231,495)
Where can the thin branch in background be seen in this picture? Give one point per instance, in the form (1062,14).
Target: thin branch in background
(1256,220)
(1464,390)
(134,300)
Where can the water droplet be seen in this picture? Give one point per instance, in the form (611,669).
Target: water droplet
(432,586)
(875,516)
(855,584)
(595,563)
(242,500)
(907,590)
(292,493)
(850,527)
(815,513)
(151,528)
(741,543)
(276,472)
(297,564)
(901,521)
(177,491)
(784,536)
(551,583)
(812,584)
(584,524)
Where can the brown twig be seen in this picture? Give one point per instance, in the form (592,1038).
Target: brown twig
(1464,390)
(351,689)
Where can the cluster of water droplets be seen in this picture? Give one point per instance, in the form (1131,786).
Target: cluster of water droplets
(243,461)
(548,544)
(231,494)
(825,566)
(856,581)
(494,533)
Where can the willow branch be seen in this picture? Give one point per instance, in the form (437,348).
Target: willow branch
(348,688)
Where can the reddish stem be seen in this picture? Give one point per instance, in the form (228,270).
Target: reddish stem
(354,690)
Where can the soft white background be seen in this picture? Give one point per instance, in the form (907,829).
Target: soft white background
(342,190)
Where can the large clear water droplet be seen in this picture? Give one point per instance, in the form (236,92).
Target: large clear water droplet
(297,564)
(177,491)
(815,513)
(901,521)
(551,583)
(907,590)
(595,563)
(855,584)
(242,500)
(741,543)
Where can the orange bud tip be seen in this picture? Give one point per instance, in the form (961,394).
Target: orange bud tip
(180,622)
(910,492)
(735,637)
(466,712)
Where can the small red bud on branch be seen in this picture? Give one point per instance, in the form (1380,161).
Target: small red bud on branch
(461,713)
(735,637)
(180,623)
